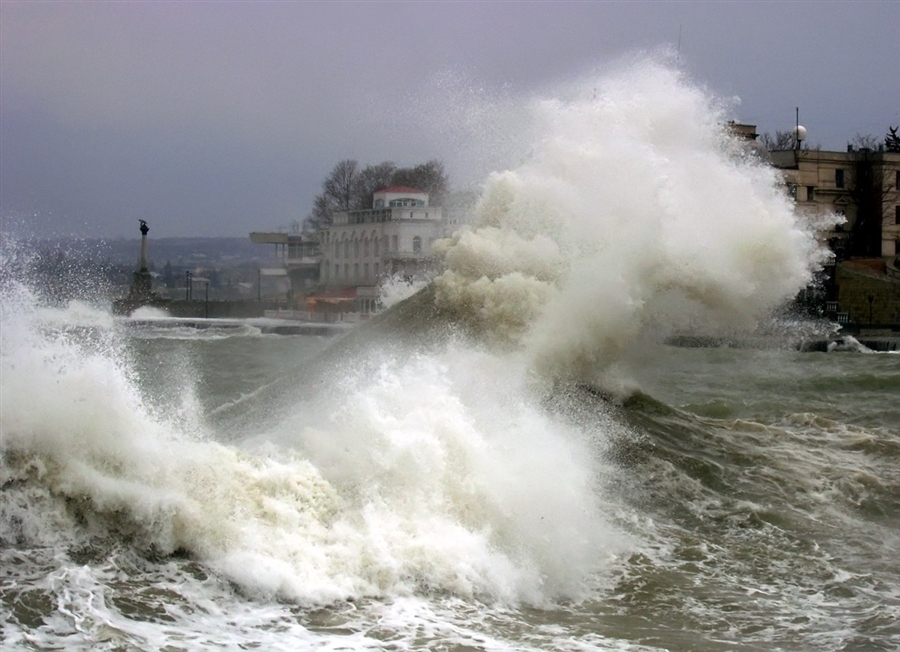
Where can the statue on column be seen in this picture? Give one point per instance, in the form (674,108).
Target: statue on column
(141,292)
(144,231)
(141,288)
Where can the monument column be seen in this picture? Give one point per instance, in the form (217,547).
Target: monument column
(141,288)
(144,230)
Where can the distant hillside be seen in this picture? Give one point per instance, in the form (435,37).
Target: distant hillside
(101,270)
(214,252)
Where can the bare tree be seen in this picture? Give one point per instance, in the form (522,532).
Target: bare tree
(348,188)
(320,217)
(337,195)
(339,185)
(372,179)
(875,196)
(867,141)
(428,177)
(781,140)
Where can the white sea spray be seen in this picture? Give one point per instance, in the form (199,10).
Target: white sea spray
(636,208)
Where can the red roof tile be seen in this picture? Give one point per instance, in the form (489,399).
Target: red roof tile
(403,189)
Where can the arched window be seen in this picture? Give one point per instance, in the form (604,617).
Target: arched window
(366,248)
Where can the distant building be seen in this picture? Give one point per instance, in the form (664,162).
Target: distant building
(747,136)
(861,185)
(298,254)
(340,267)
(362,247)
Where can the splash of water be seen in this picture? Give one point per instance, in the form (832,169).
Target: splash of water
(636,209)
(429,475)
(441,473)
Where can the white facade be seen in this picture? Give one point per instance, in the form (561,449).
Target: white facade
(362,247)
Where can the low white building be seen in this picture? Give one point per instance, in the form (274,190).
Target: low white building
(298,255)
(362,247)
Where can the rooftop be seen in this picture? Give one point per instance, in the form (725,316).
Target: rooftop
(403,189)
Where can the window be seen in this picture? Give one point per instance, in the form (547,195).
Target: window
(337,271)
(810,193)
(897,213)
(377,269)
(366,248)
(355,270)
(366,271)
(792,190)
(417,245)
(839,178)
(346,270)
(394,243)
(346,249)
(356,248)
(376,246)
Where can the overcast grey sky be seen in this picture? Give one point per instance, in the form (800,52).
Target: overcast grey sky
(218,118)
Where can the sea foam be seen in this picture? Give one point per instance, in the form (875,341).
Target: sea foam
(636,208)
(444,472)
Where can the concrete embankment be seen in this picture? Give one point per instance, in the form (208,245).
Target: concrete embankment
(269,326)
(199,309)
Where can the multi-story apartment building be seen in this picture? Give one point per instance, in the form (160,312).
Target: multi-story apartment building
(862,185)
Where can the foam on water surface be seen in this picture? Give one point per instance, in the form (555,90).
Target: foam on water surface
(441,489)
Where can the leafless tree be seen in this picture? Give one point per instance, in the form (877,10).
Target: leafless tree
(865,141)
(339,185)
(372,179)
(337,195)
(428,177)
(781,140)
(348,188)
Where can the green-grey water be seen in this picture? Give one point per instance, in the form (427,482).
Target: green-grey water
(512,459)
(745,499)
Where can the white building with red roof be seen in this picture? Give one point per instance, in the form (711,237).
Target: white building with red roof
(399,197)
(395,236)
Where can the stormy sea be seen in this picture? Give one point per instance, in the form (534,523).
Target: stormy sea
(512,458)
